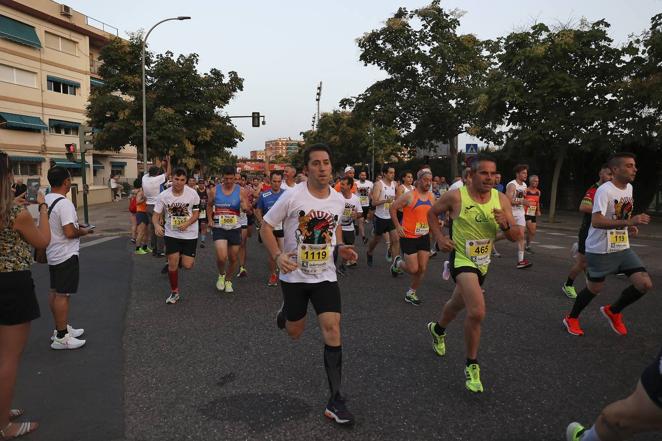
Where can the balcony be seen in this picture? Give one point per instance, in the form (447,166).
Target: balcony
(94,66)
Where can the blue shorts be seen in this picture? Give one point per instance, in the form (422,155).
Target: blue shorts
(142,218)
(599,266)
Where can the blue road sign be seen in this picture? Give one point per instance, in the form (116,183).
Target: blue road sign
(472,149)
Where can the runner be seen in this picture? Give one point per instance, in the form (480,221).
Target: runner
(586,207)
(267,200)
(289,177)
(414,232)
(226,201)
(363,190)
(243,221)
(608,246)
(407,179)
(348,173)
(478,211)
(142,219)
(383,195)
(203,220)
(310,215)
(153,184)
(515,190)
(178,208)
(352,213)
(532,195)
(192,183)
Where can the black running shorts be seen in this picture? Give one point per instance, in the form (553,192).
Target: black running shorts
(464,269)
(18,301)
(530,218)
(65,275)
(232,236)
(383,226)
(348,237)
(410,245)
(325,297)
(279,234)
(651,380)
(186,247)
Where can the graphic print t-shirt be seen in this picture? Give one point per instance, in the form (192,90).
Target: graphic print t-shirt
(363,190)
(352,205)
(178,210)
(310,226)
(613,203)
(520,192)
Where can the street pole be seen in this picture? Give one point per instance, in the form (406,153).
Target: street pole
(144,100)
(318,99)
(81,144)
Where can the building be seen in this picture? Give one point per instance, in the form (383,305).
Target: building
(48,65)
(280,148)
(257,155)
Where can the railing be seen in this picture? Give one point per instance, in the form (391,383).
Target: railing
(101,25)
(94,66)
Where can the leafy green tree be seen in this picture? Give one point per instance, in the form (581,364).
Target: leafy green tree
(553,90)
(183,105)
(432,74)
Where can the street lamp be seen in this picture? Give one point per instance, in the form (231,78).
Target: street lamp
(181,17)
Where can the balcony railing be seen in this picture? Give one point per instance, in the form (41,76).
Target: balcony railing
(101,25)
(94,66)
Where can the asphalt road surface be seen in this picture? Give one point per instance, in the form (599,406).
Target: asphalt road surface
(215,367)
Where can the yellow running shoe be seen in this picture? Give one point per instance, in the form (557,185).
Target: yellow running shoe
(472,373)
(438,341)
(220,282)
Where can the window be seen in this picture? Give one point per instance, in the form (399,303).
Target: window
(56,85)
(63,127)
(18,76)
(26,168)
(60,43)
(117,171)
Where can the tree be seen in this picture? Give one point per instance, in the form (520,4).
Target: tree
(182,104)
(432,75)
(554,90)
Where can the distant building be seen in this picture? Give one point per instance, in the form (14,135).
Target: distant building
(257,155)
(280,148)
(438,150)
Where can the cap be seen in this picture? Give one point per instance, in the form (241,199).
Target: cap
(348,168)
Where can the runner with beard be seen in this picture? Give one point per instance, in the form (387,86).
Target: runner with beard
(363,190)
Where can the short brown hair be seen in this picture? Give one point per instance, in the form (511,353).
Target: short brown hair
(520,167)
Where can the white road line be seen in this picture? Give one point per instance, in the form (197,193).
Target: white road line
(98,241)
(552,247)
(637,245)
(557,234)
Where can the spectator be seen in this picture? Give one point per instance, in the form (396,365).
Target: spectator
(17,233)
(19,187)
(497,183)
(114,187)
(152,185)
(443,185)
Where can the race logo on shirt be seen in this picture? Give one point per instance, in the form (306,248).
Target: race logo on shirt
(178,209)
(623,208)
(316,227)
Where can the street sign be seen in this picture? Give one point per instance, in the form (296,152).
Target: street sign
(472,149)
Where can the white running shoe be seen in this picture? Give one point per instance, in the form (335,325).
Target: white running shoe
(228,286)
(75,333)
(220,282)
(447,271)
(67,342)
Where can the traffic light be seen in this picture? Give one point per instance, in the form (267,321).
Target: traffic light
(86,138)
(255,118)
(70,150)
(318,96)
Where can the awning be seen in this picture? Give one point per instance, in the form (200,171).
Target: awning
(18,32)
(96,83)
(63,124)
(27,158)
(63,81)
(97,165)
(69,164)
(118,163)
(15,121)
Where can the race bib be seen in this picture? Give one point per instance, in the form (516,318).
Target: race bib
(228,221)
(479,251)
(203,214)
(347,212)
(531,210)
(314,258)
(364,200)
(617,240)
(176,221)
(421,229)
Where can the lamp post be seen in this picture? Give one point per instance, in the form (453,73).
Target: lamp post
(181,17)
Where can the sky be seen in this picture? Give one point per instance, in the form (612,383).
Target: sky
(283,49)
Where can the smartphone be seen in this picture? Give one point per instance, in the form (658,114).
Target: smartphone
(89,227)
(33,189)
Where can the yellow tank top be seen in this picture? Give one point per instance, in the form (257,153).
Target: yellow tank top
(474,231)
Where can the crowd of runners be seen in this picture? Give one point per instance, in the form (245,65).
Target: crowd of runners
(309,223)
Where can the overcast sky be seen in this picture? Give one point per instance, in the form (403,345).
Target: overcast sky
(283,49)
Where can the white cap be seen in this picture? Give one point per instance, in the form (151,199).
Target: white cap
(348,168)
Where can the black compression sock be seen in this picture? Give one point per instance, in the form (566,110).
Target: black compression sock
(61,334)
(628,297)
(583,299)
(471,361)
(438,329)
(333,366)
(569,282)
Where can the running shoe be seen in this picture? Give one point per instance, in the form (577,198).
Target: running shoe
(202,244)
(389,256)
(438,341)
(242,272)
(412,298)
(75,333)
(447,271)
(369,259)
(522,264)
(572,325)
(569,291)
(172,298)
(164,270)
(337,411)
(220,282)
(394,266)
(615,320)
(140,252)
(160,254)
(146,248)
(67,342)
(528,249)
(280,317)
(228,286)
(133,240)
(351,264)
(273,280)
(495,253)
(472,374)
(574,432)
(433,252)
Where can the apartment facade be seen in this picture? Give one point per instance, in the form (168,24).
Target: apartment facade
(48,66)
(280,148)
(257,155)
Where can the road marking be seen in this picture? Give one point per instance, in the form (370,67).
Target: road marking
(98,241)
(552,247)
(637,245)
(557,234)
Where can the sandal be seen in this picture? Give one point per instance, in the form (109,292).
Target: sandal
(23,429)
(15,413)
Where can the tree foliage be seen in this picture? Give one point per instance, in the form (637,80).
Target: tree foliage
(182,104)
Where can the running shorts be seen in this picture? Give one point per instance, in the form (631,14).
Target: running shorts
(186,247)
(599,266)
(382,226)
(519,218)
(65,275)
(410,245)
(18,301)
(279,234)
(366,210)
(348,237)
(142,218)
(651,380)
(463,269)
(325,297)
(530,218)
(233,237)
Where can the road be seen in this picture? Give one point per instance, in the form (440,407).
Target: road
(214,366)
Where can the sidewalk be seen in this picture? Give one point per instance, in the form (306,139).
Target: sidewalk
(571,221)
(110,219)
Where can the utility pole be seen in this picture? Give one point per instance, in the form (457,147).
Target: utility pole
(318,97)
(85,141)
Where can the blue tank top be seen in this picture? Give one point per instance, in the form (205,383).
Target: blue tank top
(227,208)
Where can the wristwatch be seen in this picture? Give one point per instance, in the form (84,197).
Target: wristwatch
(44,204)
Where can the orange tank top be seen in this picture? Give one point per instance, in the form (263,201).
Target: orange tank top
(415,216)
(533,196)
(141,207)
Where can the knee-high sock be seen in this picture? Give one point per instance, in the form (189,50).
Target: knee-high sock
(628,297)
(174,280)
(333,366)
(583,299)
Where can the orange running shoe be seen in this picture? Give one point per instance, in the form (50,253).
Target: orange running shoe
(273,280)
(615,320)
(572,325)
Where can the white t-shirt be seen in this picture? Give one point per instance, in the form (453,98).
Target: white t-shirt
(309,225)
(352,205)
(520,192)
(152,187)
(388,193)
(613,203)
(284,185)
(64,213)
(364,189)
(456,185)
(113,183)
(178,210)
